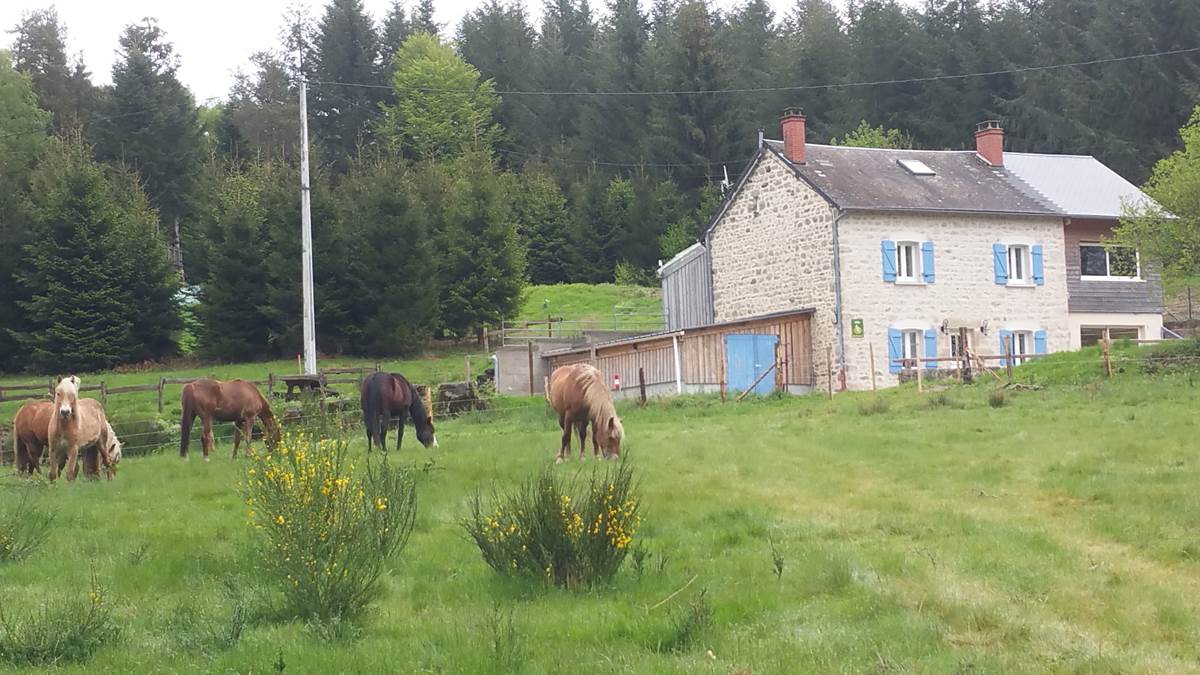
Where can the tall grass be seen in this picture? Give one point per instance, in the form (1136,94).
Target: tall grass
(60,631)
(24,525)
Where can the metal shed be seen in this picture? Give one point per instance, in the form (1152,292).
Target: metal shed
(726,356)
(687,288)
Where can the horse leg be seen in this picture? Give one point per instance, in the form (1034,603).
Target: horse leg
(400,428)
(564,421)
(207,436)
(581,429)
(72,462)
(237,438)
(248,434)
(91,462)
(385,421)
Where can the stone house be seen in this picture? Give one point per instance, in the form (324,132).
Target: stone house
(903,253)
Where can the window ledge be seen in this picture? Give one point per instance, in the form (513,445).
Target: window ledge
(909,282)
(1021,284)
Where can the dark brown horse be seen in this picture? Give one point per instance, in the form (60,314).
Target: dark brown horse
(235,401)
(31,427)
(386,396)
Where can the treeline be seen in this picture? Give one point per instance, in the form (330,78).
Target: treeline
(443,181)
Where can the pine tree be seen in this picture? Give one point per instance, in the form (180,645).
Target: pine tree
(814,50)
(541,213)
(394,305)
(21,143)
(151,123)
(93,298)
(237,287)
(396,29)
(563,52)
(499,41)
(263,111)
(612,127)
(39,50)
(346,50)
(422,18)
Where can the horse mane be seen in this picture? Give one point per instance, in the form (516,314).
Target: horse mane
(598,400)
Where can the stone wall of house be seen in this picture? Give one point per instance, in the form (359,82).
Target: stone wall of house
(772,251)
(964,291)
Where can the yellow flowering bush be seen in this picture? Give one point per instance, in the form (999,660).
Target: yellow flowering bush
(326,529)
(569,532)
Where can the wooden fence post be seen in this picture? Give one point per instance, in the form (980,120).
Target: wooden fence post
(270,385)
(103,394)
(1008,360)
(871,350)
(829,369)
(920,378)
(965,369)
(162,383)
(529,347)
(467,366)
(1107,360)
(642,384)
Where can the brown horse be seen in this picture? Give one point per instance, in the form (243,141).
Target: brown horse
(77,424)
(31,428)
(385,396)
(577,393)
(235,401)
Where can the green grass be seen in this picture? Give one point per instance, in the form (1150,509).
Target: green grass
(588,302)
(1056,533)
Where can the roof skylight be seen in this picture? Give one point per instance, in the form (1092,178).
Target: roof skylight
(916,167)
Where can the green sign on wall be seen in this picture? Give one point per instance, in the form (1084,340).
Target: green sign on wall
(856,327)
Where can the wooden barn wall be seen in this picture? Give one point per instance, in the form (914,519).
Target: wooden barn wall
(702,355)
(704,351)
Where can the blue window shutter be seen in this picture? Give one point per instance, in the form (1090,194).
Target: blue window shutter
(888,250)
(1038,275)
(1000,261)
(927,261)
(1004,346)
(1039,342)
(931,348)
(895,350)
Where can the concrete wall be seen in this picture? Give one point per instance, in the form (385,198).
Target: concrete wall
(512,368)
(1148,325)
(773,251)
(964,290)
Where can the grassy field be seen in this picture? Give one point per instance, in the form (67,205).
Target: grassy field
(919,533)
(588,302)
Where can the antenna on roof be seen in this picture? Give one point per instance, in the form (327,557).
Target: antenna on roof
(725,184)
(760,139)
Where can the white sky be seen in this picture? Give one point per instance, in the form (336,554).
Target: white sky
(213,38)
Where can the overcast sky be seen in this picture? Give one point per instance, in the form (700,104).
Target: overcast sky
(213,38)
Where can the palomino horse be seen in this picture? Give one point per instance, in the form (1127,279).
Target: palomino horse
(388,395)
(78,424)
(31,427)
(577,393)
(235,401)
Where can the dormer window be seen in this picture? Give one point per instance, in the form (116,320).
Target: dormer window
(916,167)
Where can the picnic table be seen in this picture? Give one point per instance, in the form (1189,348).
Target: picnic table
(299,385)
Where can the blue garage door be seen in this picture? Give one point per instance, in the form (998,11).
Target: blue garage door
(747,356)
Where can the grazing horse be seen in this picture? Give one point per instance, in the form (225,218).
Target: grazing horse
(76,424)
(388,395)
(31,427)
(577,393)
(235,401)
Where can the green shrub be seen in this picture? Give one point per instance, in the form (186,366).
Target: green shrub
(568,532)
(997,398)
(23,527)
(326,531)
(689,624)
(1171,357)
(64,631)
(941,400)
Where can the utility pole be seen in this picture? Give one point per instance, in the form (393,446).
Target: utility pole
(310,329)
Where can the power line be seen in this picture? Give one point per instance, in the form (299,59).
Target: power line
(630,165)
(802,87)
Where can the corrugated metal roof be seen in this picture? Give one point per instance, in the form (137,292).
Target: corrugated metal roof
(680,258)
(1076,185)
(873,179)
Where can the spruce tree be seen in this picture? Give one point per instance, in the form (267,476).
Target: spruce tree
(39,49)
(346,50)
(422,18)
(498,40)
(541,212)
(396,29)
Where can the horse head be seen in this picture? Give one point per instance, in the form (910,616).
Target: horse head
(112,452)
(608,435)
(425,432)
(66,396)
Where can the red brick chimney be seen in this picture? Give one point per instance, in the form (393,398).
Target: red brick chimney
(989,142)
(792,124)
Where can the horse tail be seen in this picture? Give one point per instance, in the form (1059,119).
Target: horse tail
(185,421)
(370,406)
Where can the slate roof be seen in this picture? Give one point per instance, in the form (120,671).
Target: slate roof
(1076,185)
(872,179)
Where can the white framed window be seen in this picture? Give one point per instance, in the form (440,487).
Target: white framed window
(911,342)
(1093,335)
(1019,265)
(1022,342)
(908,262)
(1100,262)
